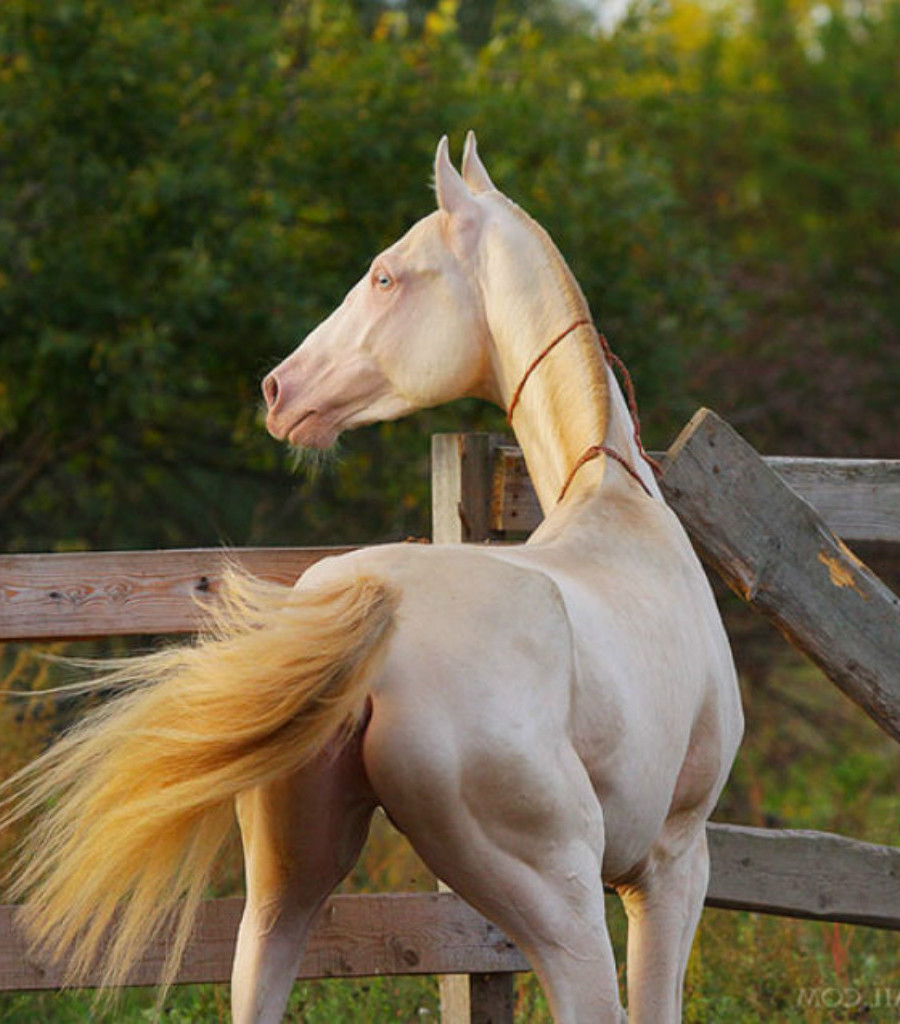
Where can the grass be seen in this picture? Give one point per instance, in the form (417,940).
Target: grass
(377,999)
(810,760)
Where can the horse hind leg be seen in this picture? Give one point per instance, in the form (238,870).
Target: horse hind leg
(519,835)
(663,909)
(301,836)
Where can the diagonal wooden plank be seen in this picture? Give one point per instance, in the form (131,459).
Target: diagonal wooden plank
(858,498)
(776,552)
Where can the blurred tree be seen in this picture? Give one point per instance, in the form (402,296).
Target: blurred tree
(187,190)
(774,120)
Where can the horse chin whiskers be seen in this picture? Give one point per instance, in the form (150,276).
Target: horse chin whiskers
(313,461)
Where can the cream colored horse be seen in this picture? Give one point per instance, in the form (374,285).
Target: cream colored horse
(552,715)
(538,720)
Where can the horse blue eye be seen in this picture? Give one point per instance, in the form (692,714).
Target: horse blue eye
(383,279)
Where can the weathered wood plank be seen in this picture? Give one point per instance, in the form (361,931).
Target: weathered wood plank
(859,499)
(461,479)
(356,936)
(804,874)
(492,999)
(811,875)
(777,553)
(454,995)
(98,593)
(102,593)
(514,506)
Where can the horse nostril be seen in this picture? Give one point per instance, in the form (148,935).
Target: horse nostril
(270,390)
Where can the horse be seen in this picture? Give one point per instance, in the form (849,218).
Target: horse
(539,720)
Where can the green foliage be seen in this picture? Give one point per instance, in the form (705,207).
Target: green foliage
(187,189)
(788,108)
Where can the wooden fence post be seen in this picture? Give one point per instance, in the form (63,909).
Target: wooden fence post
(461,478)
(491,998)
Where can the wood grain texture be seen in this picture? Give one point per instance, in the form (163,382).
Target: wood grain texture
(355,936)
(774,550)
(492,999)
(514,505)
(461,477)
(858,498)
(812,875)
(87,594)
(98,593)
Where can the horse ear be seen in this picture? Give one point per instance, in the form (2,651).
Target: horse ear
(473,171)
(452,193)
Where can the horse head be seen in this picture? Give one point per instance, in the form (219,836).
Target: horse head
(411,334)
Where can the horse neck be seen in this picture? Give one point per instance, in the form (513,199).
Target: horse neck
(570,400)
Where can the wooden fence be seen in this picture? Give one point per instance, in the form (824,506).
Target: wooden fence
(480,492)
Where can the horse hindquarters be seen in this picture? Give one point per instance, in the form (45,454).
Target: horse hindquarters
(301,835)
(467,750)
(516,830)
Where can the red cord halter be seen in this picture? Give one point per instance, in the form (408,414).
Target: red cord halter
(594,450)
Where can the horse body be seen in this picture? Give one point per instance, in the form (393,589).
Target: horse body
(540,718)
(638,677)
(553,714)
(533,737)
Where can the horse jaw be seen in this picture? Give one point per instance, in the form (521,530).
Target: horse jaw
(325,388)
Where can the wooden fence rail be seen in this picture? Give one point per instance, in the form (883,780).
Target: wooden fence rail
(77,595)
(356,936)
(480,491)
(859,499)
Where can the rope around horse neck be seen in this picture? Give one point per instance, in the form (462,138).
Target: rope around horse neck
(533,365)
(594,450)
